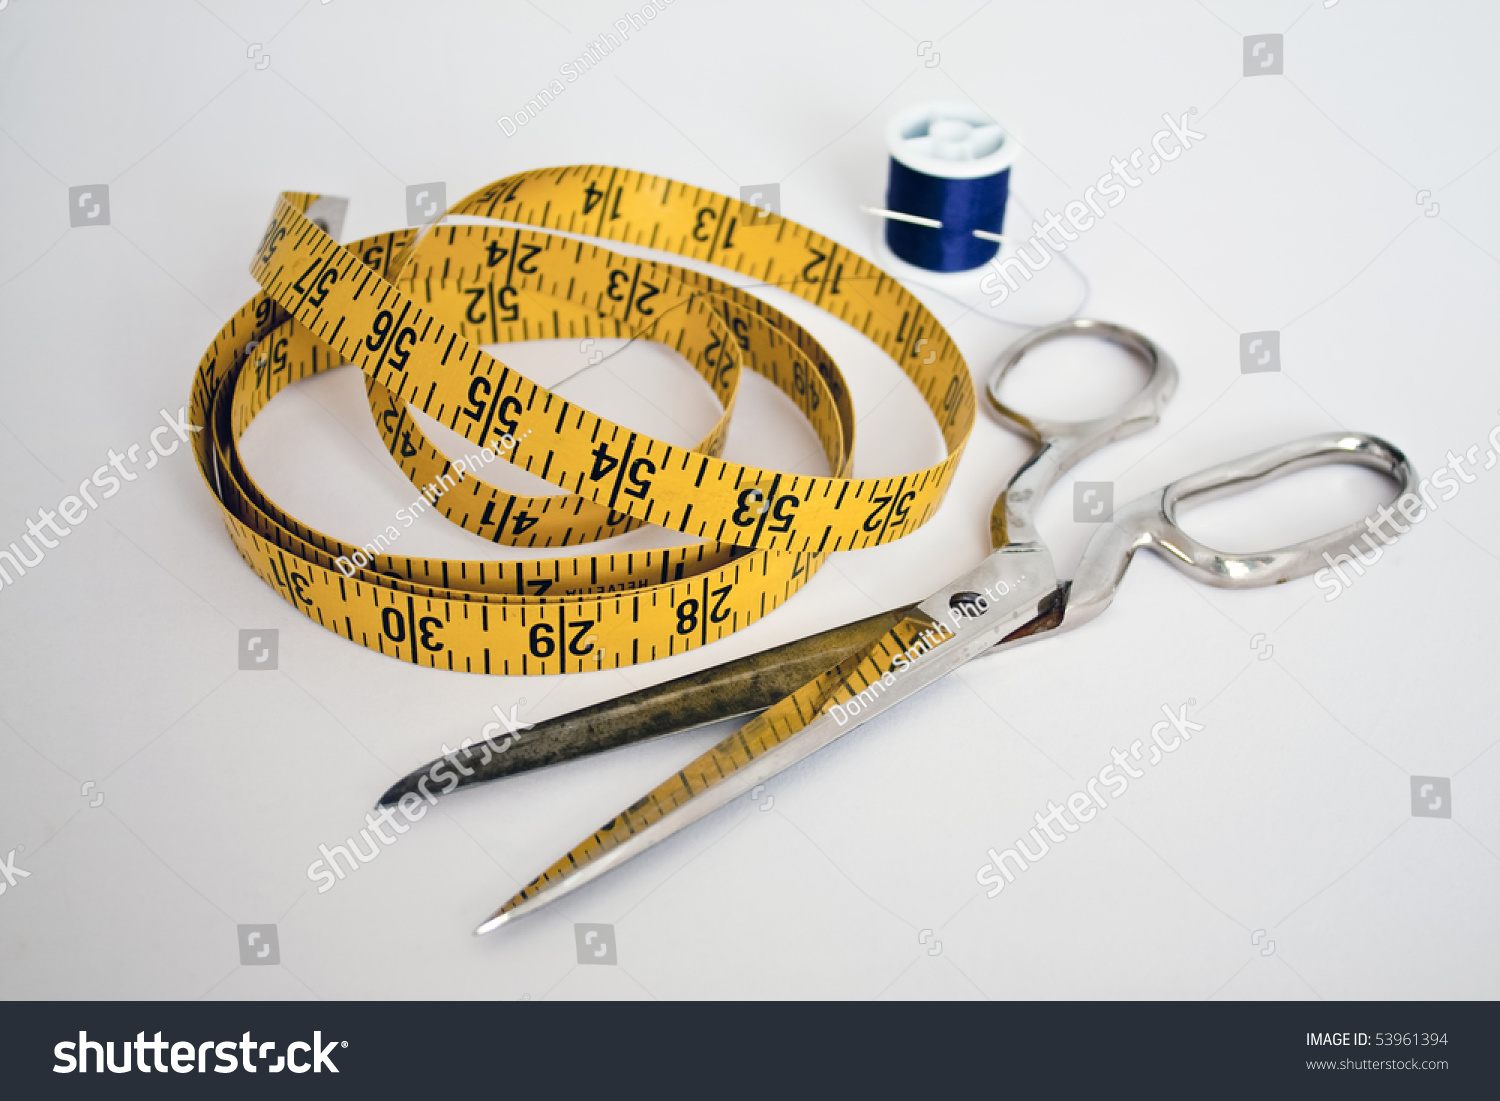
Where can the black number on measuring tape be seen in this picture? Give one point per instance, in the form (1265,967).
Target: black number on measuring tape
(903,503)
(751,498)
(719,613)
(379,330)
(524,522)
(701,230)
(329,277)
(619,282)
(326,280)
(579,645)
(476,296)
(687,616)
(543,645)
(720,370)
(802,385)
(740,328)
(374,256)
(400,347)
(898,512)
(293,584)
(505,300)
(297,286)
(753,503)
(591,198)
(604,462)
(807,271)
(639,486)
(393,626)
(268,243)
(263,310)
(640,299)
(299,583)
(507,193)
(476,406)
(528,253)
(784,512)
(716,353)
(508,422)
(721,364)
(494,253)
(407,448)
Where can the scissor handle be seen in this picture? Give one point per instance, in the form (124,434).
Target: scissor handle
(1151,521)
(1063,444)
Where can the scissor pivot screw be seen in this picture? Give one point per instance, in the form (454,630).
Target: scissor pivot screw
(970,604)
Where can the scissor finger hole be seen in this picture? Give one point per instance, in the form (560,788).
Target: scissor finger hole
(1107,377)
(1072,379)
(1284,510)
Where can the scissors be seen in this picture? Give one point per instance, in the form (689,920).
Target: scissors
(813,691)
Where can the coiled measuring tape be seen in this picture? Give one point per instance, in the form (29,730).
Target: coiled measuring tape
(411,311)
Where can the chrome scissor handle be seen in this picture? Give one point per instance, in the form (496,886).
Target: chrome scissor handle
(1151,521)
(1063,444)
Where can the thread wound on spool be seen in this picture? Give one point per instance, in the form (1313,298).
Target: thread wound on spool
(949,162)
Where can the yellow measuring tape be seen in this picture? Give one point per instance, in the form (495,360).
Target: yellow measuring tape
(411,311)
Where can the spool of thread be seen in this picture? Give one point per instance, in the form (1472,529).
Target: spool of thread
(950,164)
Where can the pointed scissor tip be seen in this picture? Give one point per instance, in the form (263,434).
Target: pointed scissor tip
(392,795)
(492,924)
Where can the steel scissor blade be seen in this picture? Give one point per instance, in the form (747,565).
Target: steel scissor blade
(727,691)
(918,649)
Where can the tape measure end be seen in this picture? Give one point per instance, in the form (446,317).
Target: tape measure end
(327,213)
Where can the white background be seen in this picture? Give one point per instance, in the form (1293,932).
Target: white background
(1290,814)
